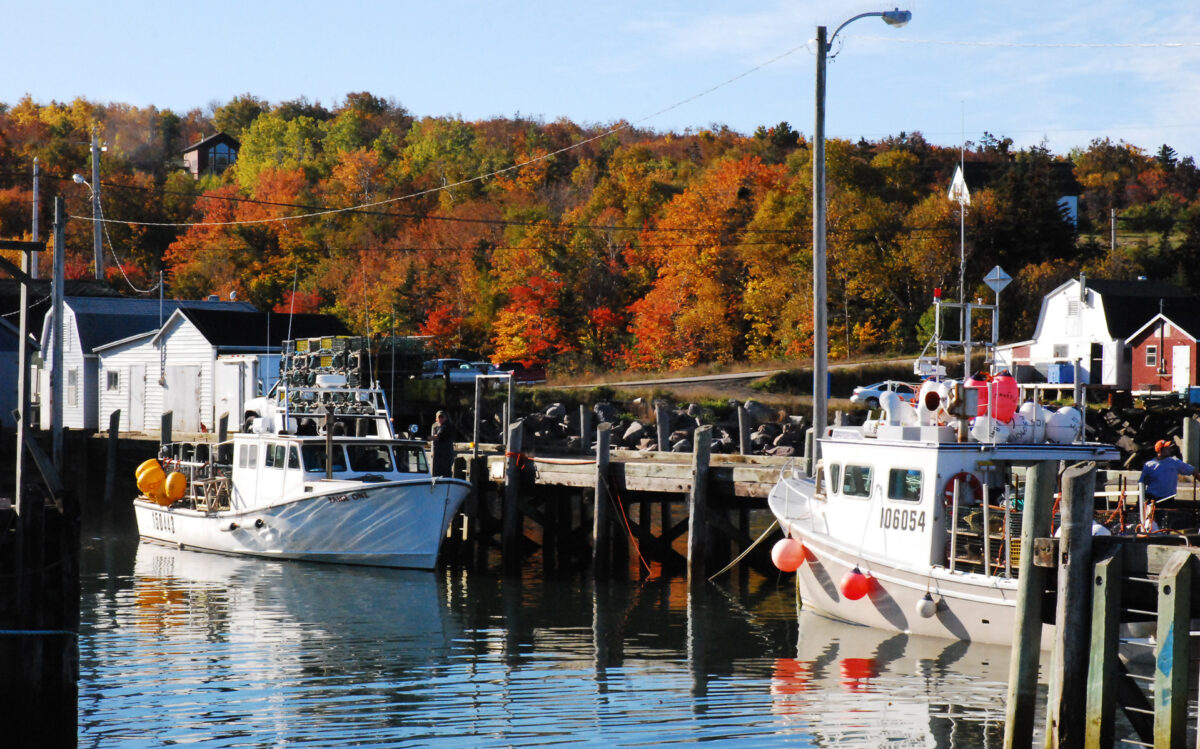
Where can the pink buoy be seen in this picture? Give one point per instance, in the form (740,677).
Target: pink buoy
(788,554)
(1007,396)
(979,383)
(855,584)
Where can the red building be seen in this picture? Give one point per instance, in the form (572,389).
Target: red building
(1164,351)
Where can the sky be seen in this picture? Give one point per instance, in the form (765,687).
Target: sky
(1058,74)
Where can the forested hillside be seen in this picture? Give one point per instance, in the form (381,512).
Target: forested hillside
(586,246)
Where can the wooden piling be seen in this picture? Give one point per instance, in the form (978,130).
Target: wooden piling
(698,543)
(1172,638)
(510,524)
(744,431)
(1101,675)
(1027,627)
(1066,702)
(585,429)
(602,519)
(110,456)
(662,422)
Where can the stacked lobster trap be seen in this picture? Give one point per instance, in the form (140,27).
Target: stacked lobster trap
(333,366)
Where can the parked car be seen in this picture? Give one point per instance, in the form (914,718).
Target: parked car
(522,373)
(435,368)
(868,395)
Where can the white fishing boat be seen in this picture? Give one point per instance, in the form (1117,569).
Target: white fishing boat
(912,521)
(316,474)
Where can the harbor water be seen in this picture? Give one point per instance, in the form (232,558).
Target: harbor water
(182,647)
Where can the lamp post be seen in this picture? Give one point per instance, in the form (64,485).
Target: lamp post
(895,17)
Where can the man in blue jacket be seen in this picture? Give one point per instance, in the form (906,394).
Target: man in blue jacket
(1161,475)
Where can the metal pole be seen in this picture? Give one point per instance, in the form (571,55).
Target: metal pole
(820,324)
(56,366)
(97,244)
(22,382)
(33,266)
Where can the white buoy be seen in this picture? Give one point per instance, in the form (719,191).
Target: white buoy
(1020,430)
(1036,415)
(926,607)
(986,429)
(1063,426)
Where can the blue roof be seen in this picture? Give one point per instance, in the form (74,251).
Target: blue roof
(102,320)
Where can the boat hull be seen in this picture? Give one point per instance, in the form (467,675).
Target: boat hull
(387,524)
(967,606)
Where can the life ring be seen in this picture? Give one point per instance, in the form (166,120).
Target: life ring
(970,480)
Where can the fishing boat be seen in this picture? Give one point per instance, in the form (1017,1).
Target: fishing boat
(316,474)
(911,522)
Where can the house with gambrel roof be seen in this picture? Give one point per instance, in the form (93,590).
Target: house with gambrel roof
(1090,322)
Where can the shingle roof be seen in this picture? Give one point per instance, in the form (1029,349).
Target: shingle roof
(102,320)
(1128,305)
(234,329)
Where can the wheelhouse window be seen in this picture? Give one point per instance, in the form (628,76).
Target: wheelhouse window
(904,484)
(248,456)
(314,458)
(370,458)
(856,481)
(411,460)
(274,455)
(835,473)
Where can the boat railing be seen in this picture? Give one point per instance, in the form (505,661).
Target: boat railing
(208,469)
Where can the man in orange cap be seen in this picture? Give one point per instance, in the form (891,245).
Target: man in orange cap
(1161,475)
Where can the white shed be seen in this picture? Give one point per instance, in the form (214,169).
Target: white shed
(1087,321)
(90,323)
(202,363)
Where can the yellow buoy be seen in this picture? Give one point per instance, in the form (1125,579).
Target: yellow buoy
(151,480)
(146,466)
(175,485)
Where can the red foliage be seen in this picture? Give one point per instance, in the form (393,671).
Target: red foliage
(305,302)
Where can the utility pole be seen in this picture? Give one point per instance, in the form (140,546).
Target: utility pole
(56,366)
(97,244)
(33,261)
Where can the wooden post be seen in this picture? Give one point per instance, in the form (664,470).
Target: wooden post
(1101,677)
(1068,670)
(1171,668)
(165,430)
(697,548)
(223,427)
(662,421)
(475,419)
(1027,627)
(809,446)
(602,508)
(585,429)
(510,524)
(1191,442)
(475,501)
(744,431)
(110,456)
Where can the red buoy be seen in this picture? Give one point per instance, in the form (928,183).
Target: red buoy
(788,554)
(855,584)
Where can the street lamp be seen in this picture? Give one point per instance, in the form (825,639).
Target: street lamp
(897,18)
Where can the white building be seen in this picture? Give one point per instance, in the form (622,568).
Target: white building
(1087,322)
(200,364)
(90,323)
(9,361)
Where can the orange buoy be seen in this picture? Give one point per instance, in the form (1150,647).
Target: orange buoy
(145,466)
(150,480)
(855,584)
(788,554)
(175,486)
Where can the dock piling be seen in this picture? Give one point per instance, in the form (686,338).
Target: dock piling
(698,529)
(602,518)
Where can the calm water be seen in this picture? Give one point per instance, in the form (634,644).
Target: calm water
(181,647)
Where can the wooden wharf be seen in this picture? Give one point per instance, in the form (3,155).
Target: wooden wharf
(1122,608)
(684,512)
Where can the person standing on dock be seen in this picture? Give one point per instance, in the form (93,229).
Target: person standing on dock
(442,437)
(1161,475)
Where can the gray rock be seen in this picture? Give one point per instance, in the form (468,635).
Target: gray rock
(635,432)
(556,411)
(682,446)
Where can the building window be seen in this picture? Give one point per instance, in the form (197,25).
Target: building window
(73,387)
(220,157)
(1061,351)
(112,380)
(1152,356)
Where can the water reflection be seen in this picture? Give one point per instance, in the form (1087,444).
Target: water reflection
(867,687)
(190,647)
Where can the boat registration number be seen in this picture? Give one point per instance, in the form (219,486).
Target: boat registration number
(163,522)
(894,518)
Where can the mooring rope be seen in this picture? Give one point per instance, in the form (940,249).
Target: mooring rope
(750,548)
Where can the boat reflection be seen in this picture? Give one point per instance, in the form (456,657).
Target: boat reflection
(851,685)
(181,594)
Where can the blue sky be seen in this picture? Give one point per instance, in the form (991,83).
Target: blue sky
(1058,73)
